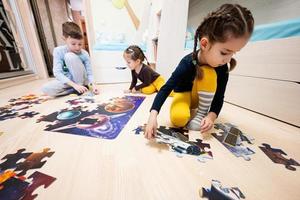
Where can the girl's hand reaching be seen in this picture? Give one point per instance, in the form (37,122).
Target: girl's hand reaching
(134,90)
(207,122)
(150,130)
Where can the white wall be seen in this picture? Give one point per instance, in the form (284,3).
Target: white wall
(112,25)
(264,12)
(171,35)
(113,22)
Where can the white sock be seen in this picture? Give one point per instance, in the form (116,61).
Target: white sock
(205,99)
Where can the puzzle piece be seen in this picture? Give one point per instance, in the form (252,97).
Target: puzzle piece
(38,179)
(12,159)
(13,186)
(89,99)
(205,148)
(231,138)
(174,132)
(27,99)
(179,142)
(78,101)
(226,128)
(8,115)
(276,155)
(28,114)
(217,192)
(33,161)
(53,116)
(75,101)
(13,189)
(139,129)
(5,176)
(106,121)
(22,103)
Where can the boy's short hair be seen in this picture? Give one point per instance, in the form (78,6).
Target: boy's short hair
(71,29)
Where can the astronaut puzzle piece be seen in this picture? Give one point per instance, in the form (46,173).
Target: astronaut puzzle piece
(179,142)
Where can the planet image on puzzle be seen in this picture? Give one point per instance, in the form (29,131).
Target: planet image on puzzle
(93,121)
(71,114)
(119,105)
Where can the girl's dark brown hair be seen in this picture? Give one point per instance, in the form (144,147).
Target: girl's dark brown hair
(135,53)
(230,20)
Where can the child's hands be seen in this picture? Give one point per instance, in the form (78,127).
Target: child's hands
(150,130)
(93,88)
(134,90)
(207,122)
(80,88)
(95,91)
(127,91)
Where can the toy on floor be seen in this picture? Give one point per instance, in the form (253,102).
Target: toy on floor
(13,109)
(179,142)
(14,185)
(106,121)
(33,161)
(276,155)
(232,138)
(217,192)
(139,129)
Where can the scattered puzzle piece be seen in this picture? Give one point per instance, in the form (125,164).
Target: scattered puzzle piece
(6,175)
(14,186)
(276,155)
(139,129)
(231,137)
(83,99)
(217,192)
(13,109)
(28,114)
(8,115)
(33,161)
(38,179)
(12,159)
(13,189)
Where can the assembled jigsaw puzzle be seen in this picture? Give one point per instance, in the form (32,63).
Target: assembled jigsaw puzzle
(179,142)
(276,155)
(106,121)
(16,106)
(14,182)
(232,138)
(217,192)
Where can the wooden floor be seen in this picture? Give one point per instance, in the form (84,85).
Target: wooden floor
(131,167)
